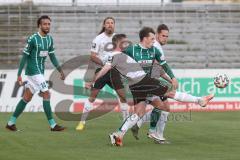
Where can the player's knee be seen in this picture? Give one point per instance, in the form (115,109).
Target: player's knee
(46,95)
(140,113)
(166,106)
(171,94)
(27,98)
(140,109)
(91,99)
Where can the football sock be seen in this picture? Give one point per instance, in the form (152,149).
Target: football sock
(52,123)
(88,106)
(184,97)
(124,110)
(162,122)
(144,119)
(129,123)
(47,109)
(155,115)
(19,109)
(12,120)
(48,112)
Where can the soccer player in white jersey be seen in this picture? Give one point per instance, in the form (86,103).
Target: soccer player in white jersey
(39,46)
(140,84)
(157,118)
(99,55)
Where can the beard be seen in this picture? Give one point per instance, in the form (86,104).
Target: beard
(109,31)
(45,31)
(163,43)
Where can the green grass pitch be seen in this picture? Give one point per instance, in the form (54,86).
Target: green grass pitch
(206,136)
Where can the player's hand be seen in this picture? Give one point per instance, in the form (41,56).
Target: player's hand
(175,83)
(88,85)
(62,76)
(19,79)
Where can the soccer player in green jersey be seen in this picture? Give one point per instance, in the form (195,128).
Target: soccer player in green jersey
(146,54)
(157,117)
(38,47)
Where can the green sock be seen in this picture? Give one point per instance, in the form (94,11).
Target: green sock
(155,115)
(48,112)
(19,109)
(12,120)
(47,109)
(52,123)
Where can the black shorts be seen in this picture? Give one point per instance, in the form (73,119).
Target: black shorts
(112,78)
(147,86)
(163,98)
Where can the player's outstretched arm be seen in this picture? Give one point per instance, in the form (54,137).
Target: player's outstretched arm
(168,70)
(175,83)
(159,56)
(166,77)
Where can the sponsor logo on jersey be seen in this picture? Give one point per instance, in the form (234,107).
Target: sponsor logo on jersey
(110,58)
(43,53)
(94,45)
(145,61)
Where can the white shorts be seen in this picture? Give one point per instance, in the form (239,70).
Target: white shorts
(36,83)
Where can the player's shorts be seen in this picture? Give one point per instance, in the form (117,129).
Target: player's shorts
(153,97)
(150,98)
(112,78)
(36,83)
(148,86)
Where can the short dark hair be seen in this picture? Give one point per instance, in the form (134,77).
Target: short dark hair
(117,37)
(162,27)
(144,32)
(104,21)
(41,18)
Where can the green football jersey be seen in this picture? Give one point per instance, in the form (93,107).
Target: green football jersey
(37,49)
(145,56)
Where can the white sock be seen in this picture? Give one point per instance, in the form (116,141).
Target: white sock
(129,123)
(162,122)
(184,97)
(88,106)
(124,109)
(146,118)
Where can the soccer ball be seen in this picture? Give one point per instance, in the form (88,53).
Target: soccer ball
(221,80)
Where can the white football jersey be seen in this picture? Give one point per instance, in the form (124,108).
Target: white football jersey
(159,47)
(101,45)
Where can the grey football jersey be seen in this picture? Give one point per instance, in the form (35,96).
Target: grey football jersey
(157,71)
(127,67)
